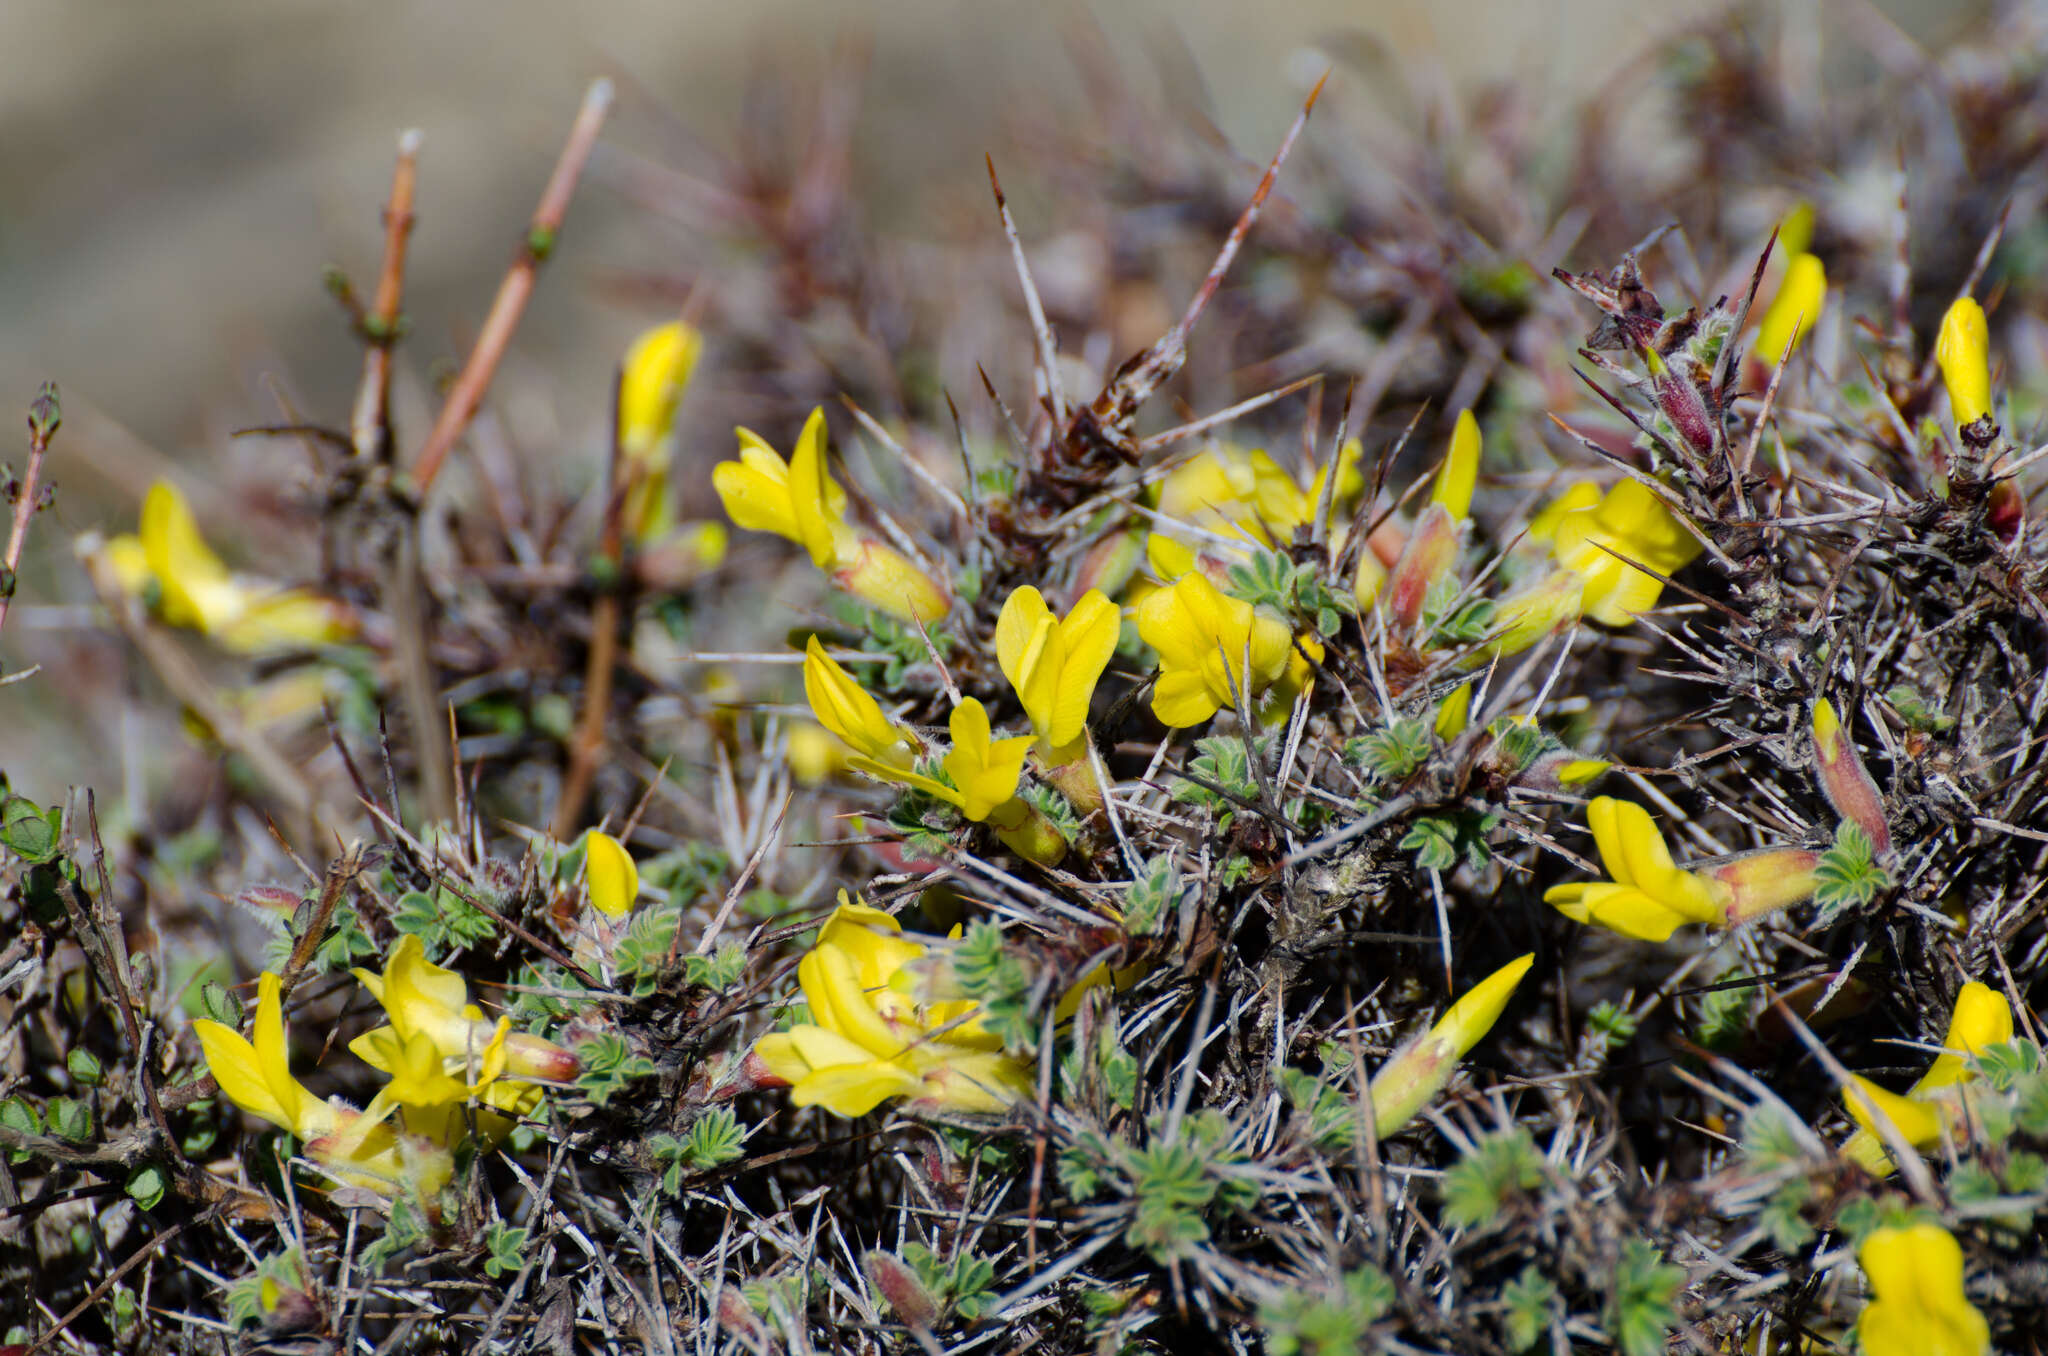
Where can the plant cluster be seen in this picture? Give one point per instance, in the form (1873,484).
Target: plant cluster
(1426,809)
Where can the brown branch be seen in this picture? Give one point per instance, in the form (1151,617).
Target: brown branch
(468,392)
(587,741)
(43,419)
(370,422)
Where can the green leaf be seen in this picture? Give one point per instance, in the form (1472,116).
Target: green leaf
(69,1119)
(29,831)
(221,1005)
(1531,1303)
(1611,1024)
(507,1250)
(1848,873)
(1496,1168)
(147,1185)
(19,1116)
(84,1068)
(1642,1310)
(1782,1216)
(1326,1317)
(1394,754)
(713,1140)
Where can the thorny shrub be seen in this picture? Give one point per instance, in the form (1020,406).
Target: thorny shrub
(1434,807)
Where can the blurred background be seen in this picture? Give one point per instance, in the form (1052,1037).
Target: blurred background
(175,179)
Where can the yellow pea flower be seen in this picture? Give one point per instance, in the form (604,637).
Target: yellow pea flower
(1795,310)
(1630,519)
(1964,352)
(1917,1305)
(985,770)
(257,1077)
(195,589)
(1203,638)
(421,998)
(1054,664)
(1419,1070)
(1460,473)
(799,500)
(614,882)
(814,753)
(1455,713)
(651,383)
(1982,1018)
(1650,896)
(867,1043)
(845,708)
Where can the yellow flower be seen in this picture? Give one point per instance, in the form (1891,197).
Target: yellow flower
(196,590)
(1650,896)
(1917,1305)
(1419,1070)
(614,882)
(814,753)
(1632,520)
(421,998)
(651,383)
(798,499)
(1460,473)
(1055,664)
(1203,639)
(1795,310)
(1964,352)
(985,770)
(1982,1018)
(257,1078)
(845,708)
(1455,713)
(866,1043)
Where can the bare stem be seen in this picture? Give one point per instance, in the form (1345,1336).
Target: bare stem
(470,387)
(370,423)
(43,419)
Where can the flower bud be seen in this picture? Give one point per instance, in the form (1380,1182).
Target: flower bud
(1964,350)
(1420,1069)
(1764,881)
(1431,551)
(883,577)
(1460,473)
(1455,713)
(535,1057)
(614,881)
(1844,780)
(1794,311)
(1681,402)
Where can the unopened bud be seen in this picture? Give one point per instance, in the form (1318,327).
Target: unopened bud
(1682,403)
(1430,553)
(535,1057)
(1764,881)
(903,1288)
(1420,1069)
(1964,352)
(1844,780)
(882,576)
